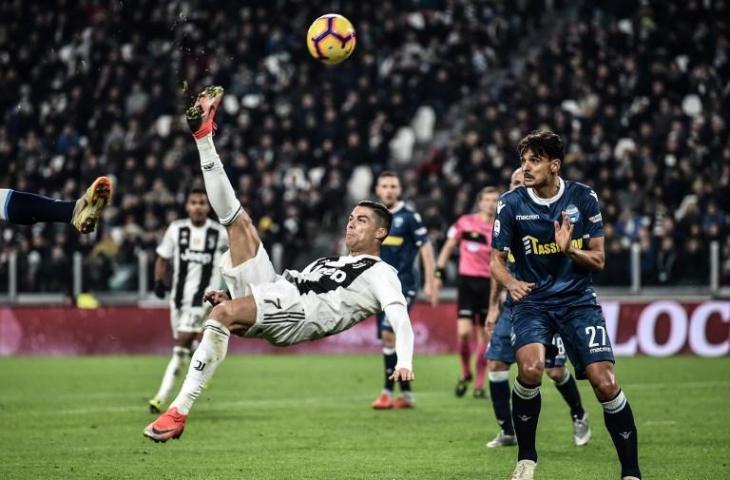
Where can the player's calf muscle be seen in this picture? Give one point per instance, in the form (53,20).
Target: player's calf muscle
(243,239)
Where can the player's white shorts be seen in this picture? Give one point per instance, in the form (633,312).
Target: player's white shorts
(187,319)
(280,314)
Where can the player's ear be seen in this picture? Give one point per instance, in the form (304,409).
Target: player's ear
(381,233)
(555,165)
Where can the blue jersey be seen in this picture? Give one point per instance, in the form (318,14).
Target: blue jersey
(402,244)
(525,227)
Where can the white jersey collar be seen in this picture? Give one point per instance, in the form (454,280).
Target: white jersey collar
(398,206)
(547,201)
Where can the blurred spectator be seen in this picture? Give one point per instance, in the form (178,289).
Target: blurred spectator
(442,91)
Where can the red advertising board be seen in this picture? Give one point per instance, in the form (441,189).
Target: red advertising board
(658,328)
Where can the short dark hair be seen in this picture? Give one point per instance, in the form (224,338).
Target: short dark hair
(382,213)
(544,143)
(388,173)
(197,191)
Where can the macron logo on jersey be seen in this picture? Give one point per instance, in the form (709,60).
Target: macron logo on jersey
(521,218)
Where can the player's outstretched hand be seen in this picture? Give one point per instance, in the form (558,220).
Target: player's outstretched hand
(564,233)
(214,297)
(402,374)
(432,292)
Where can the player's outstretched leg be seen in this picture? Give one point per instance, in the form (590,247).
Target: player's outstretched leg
(24,208)
(245,245)
(618,416)
(568,388)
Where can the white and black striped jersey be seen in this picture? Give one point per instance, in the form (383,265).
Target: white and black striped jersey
(195,253)
(342,291)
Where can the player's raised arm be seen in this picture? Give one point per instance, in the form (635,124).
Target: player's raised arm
(594,259)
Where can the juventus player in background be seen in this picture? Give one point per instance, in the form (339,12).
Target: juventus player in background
(193,245)
(330,295)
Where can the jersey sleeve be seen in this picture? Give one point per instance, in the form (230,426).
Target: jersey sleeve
(404,339)
(592,212)
(419,230)
(503,226)
(455,231)
(387,287)
(166,248)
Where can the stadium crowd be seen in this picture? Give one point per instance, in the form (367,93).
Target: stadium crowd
(439,91)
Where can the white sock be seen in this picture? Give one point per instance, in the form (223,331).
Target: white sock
(207,357)
(217,185)
(176,364)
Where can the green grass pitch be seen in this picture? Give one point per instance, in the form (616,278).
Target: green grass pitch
(308,417)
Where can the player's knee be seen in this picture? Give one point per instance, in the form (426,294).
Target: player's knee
(496,366)
(531,371)
(223,313)
(388,339)
(605,386)
(556,374)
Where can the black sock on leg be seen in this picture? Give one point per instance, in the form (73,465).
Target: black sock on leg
(28,208)
(568,388)
(621,426)
(526,403)
(500,393)
(390,360)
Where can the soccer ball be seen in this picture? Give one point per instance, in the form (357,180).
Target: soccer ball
(331,38)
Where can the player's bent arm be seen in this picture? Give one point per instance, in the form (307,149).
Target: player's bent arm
(517,288)
(162,273)
(594,259)
(445,253)
(426,252)
(397,315)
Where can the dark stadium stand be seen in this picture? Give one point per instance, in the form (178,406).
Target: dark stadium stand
(439,91)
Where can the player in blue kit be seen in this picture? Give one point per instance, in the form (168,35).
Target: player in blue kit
(501,355)
(407,239)
(554,230)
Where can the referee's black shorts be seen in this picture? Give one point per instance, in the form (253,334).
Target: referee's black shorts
(473,298)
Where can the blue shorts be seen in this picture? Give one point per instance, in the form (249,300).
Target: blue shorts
(501,349)
(581,327)
(500,346)
(382,322)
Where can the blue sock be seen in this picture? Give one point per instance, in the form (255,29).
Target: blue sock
(499,390)
(391,359)
(24,208)
(620,425)
(526,403)
(569,390)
